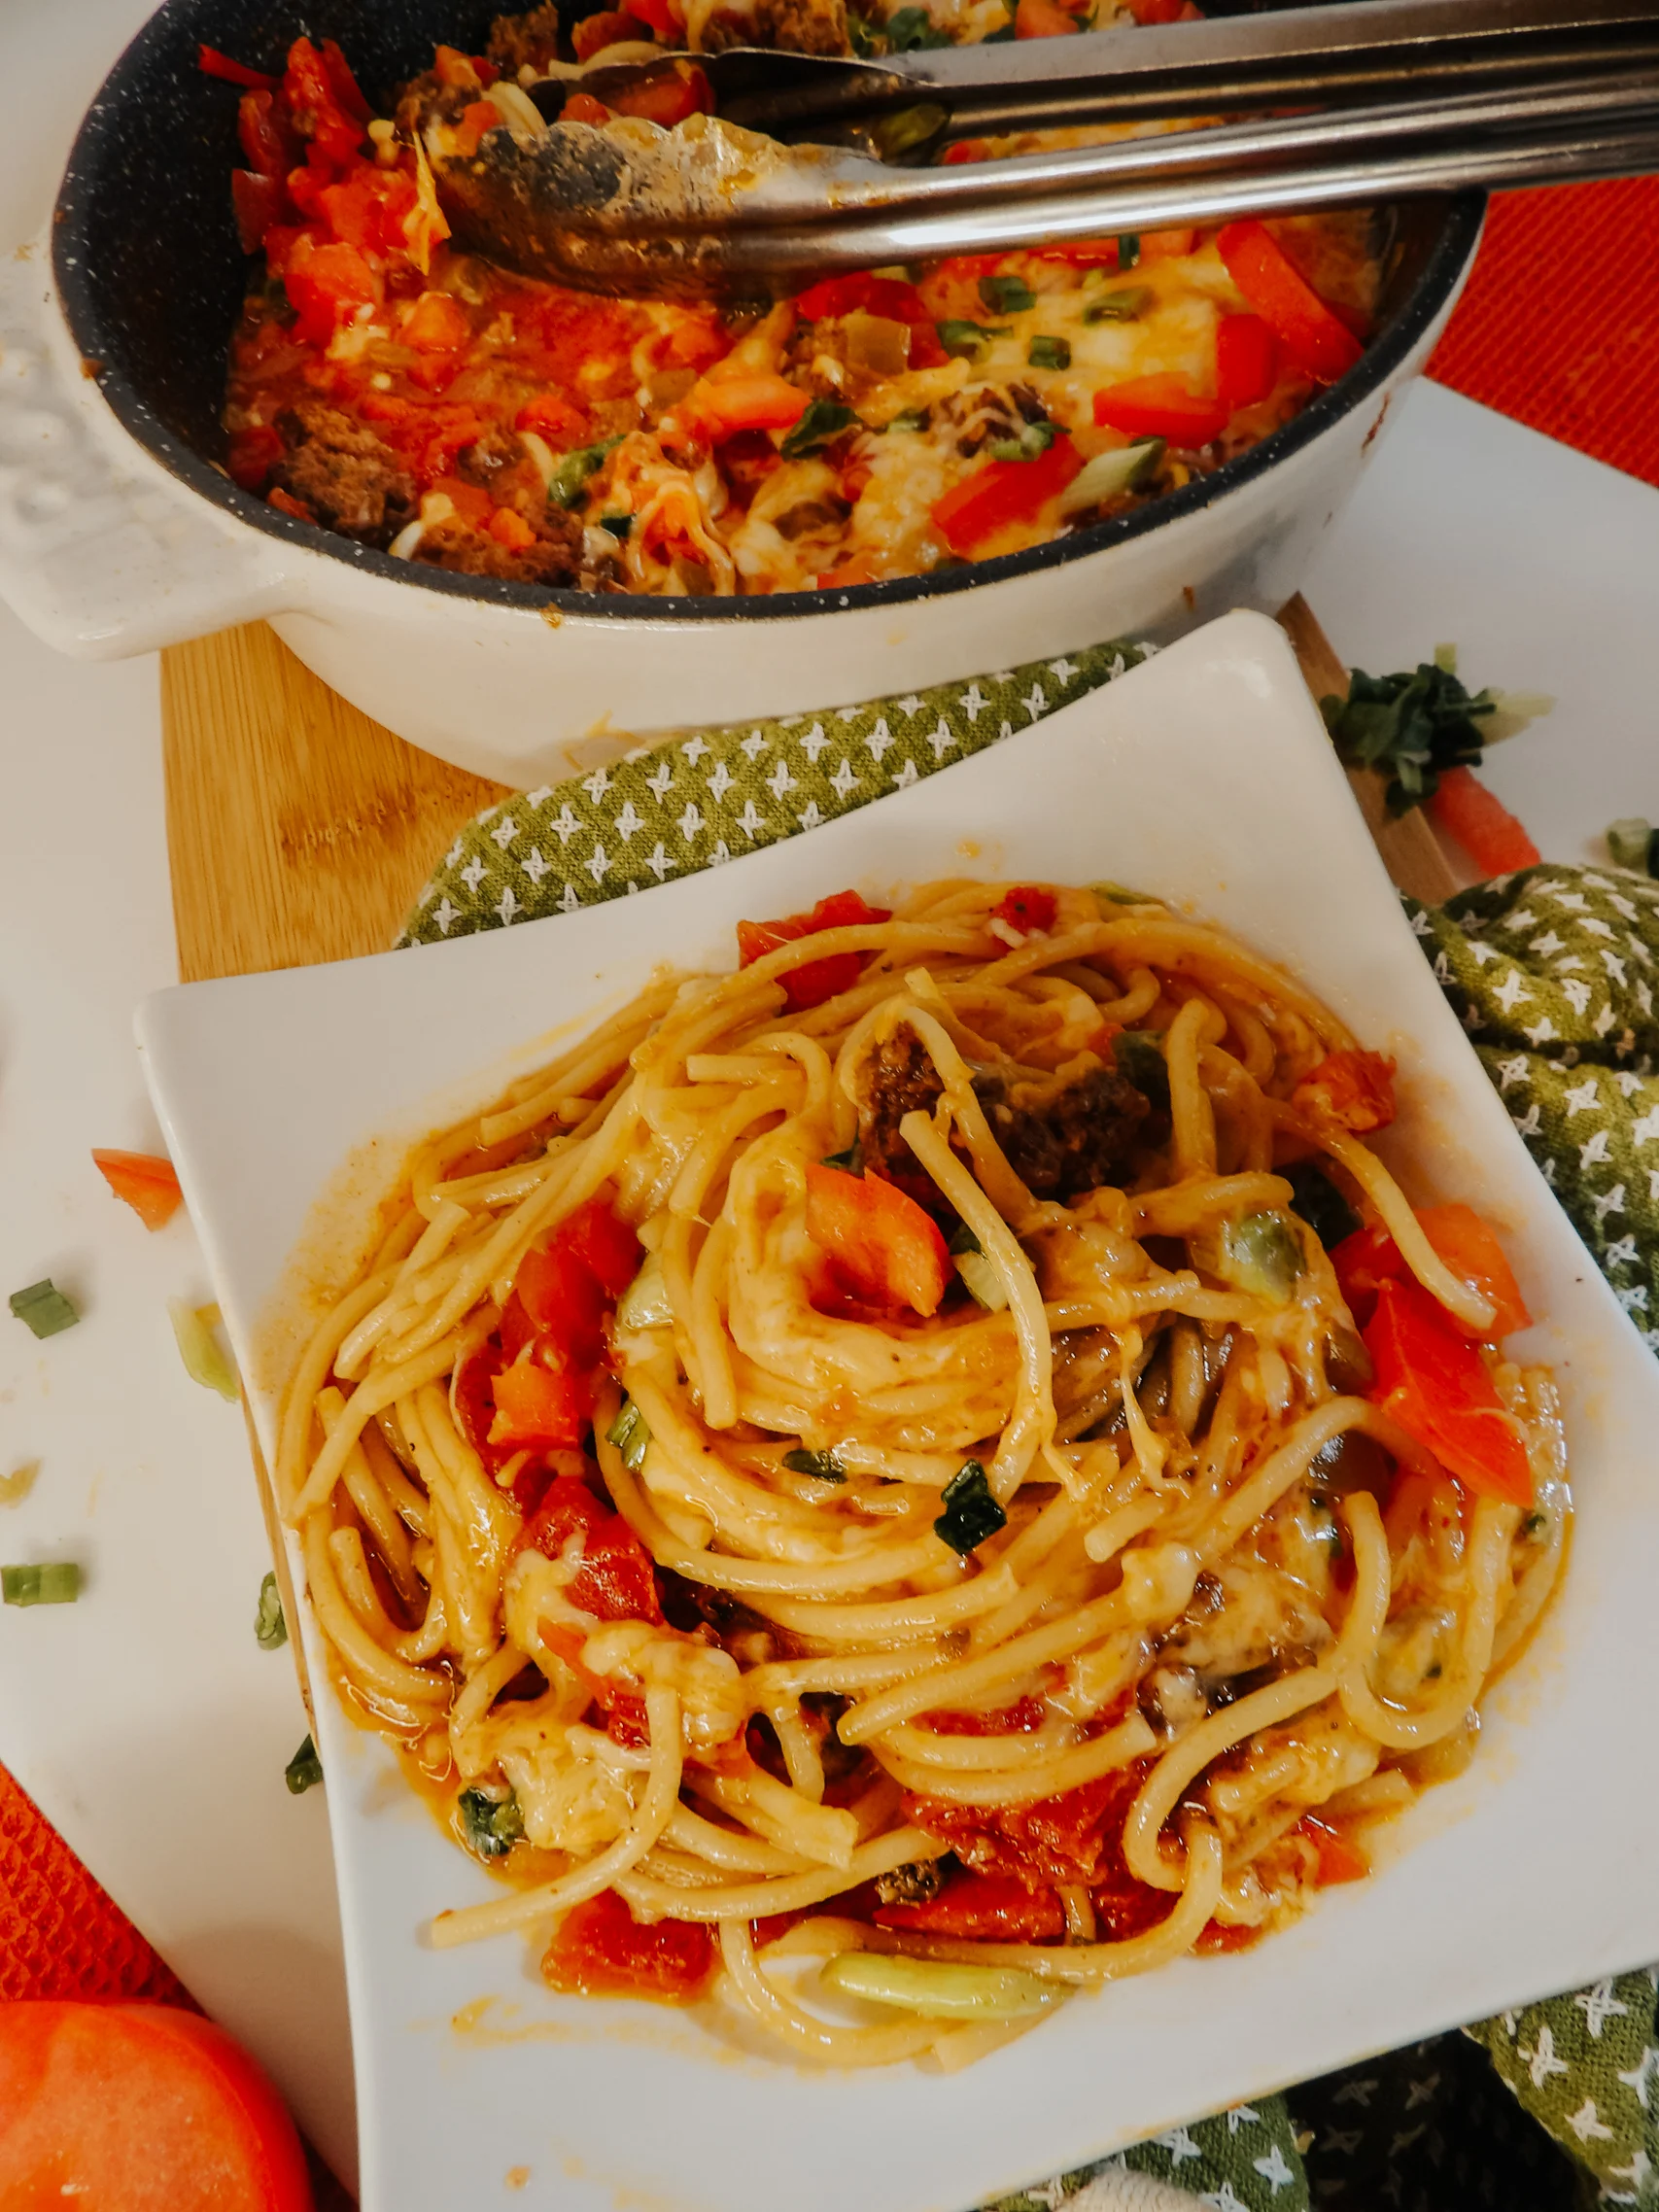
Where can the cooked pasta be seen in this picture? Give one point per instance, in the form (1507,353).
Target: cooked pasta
(940,1452)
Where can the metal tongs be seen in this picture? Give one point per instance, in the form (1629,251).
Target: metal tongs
(1387,99)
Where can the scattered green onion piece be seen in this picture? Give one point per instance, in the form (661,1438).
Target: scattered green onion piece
(1446,659)
(489,1825)
(1129,250)
(303,1769)
(970,341)
(56,1583)
(851,1162)
(1107,893)
(1127,305)
(1628,841)
(1044,351)
(1110,475)
(1007,294)
(618,525)
(823,420)
(569,480)
(971,1513)
(1320,1203)
(203,1355)
(1138,1057)
(270,1628)
(859,35)
(1027,442)
(44,1308)
(913,419)
(630,1434)
(981,1281)
(822,1467)
(902,131)
(1261,1254)
(645,1304)
(941,1988)
(962,1239)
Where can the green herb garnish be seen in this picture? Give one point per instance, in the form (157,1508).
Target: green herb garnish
(56,1583)
(859,35)
(1138,1055)
(823,420)
(851,1162)
(570,477)
(45,1308)
(270,1628)
(1026,443)
(1320,1203)
(1007,294)
(1411,726)
(912,30)
(970,341)
(822,1467)
(630,1434)
(489,1825)
(962,1239)
(618,525)
(303,1769)
(1129,250)
(1126,306)
(904,129)
(1261,1254)
(1535,1525)
(971,1513)
(1048,352)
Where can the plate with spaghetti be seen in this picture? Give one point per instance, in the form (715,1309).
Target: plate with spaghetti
(958,1494)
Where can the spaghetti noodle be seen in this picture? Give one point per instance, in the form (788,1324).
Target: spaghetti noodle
(940,1452)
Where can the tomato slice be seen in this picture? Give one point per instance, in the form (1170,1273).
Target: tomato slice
(1353,1089)
(1370,1257)
(985,1908)
(814,981)
(1433,1381)
(146,1182)
(616,1581)
(1026,908)
(600,1951)
(885,1249)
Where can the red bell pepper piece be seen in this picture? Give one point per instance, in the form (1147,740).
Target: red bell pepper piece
(267,138)
(879,1242)
(814,981)
(1247,361)
(1318,341)
(1340,1858)
(309,92)
(891,297)
(1371,1258)
(1434,1382)
(616,1581)
(149,1185)
(212,63)
(1003,492)
(1042,19)
(259,202)
(1477,819)
(760,403)
(1353,1089)
(600,1951)
(347,93)
(1160,406)
(1026,908)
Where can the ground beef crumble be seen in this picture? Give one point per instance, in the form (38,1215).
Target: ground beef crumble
(343,474)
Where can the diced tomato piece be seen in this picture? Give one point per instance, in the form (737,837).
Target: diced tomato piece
(761,402)
(1008,1721)
(583,107)
(1076,1836)
(1160,406)
(604,1243)
(1164,10)
(883,1246)
(309,94)
(148,1184)
(1026,908)
(1364,1262)
(1318,341)
(470,502)
(540,1405)
(473,125)
(1042,19)
(564,1299)
(1218,1936)
(669,99)
(600,1951)
(891,297)
(436,323)
(326,286)
(259,202)
(1168,245)
(1434,1382)
(508,528)
(988,1907)
(1371,1258)
(267,137)
(253,455)
(616,1581)
(855,572)
(135,2104)
(1247,361)
(607,28)
(1353,1089)
(552,417)
(1340,1858)
(212,63)
(965,150)
(454,70)
(1494,838)
(1002,494)
(666,17)
(814,981)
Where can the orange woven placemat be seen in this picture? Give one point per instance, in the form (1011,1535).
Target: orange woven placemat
(1558,328)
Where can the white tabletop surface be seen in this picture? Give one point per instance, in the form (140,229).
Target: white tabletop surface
(146,1721)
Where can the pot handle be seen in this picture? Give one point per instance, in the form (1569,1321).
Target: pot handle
(102,552)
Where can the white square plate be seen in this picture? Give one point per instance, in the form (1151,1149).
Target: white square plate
(1204,777)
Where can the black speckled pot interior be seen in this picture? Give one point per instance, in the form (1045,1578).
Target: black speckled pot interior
(152,278)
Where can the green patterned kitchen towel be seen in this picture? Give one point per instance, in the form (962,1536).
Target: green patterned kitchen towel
(1550,971)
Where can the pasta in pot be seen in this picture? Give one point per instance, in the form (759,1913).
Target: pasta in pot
(941,1451)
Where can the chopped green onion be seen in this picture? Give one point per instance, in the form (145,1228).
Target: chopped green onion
(822,1467)
(823,420)
(44,1308)
(56,1583)
(1320,1203)
(1261,1254)
(1007,294)
(859,35)
(618,525)
(1108,893)
(851,1162)
(970,341)
(1110,475)
(15,1486)
(303,1769)
(981,1281)
(1446,659)
(1044,351)
(204,1356)
(962,1239)
(1125,305)
(941,1988)
(1535,1525)
(912,30)
(903,130)
(270,1628)
(913,419)
(1628,841)
(1129,250)
(630,1434)
(1026,443)
(569,480)
(1138,1057)
(645,1304)
(489,1825)
(971,1513)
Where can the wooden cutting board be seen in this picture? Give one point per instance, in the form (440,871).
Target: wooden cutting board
(299,830)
